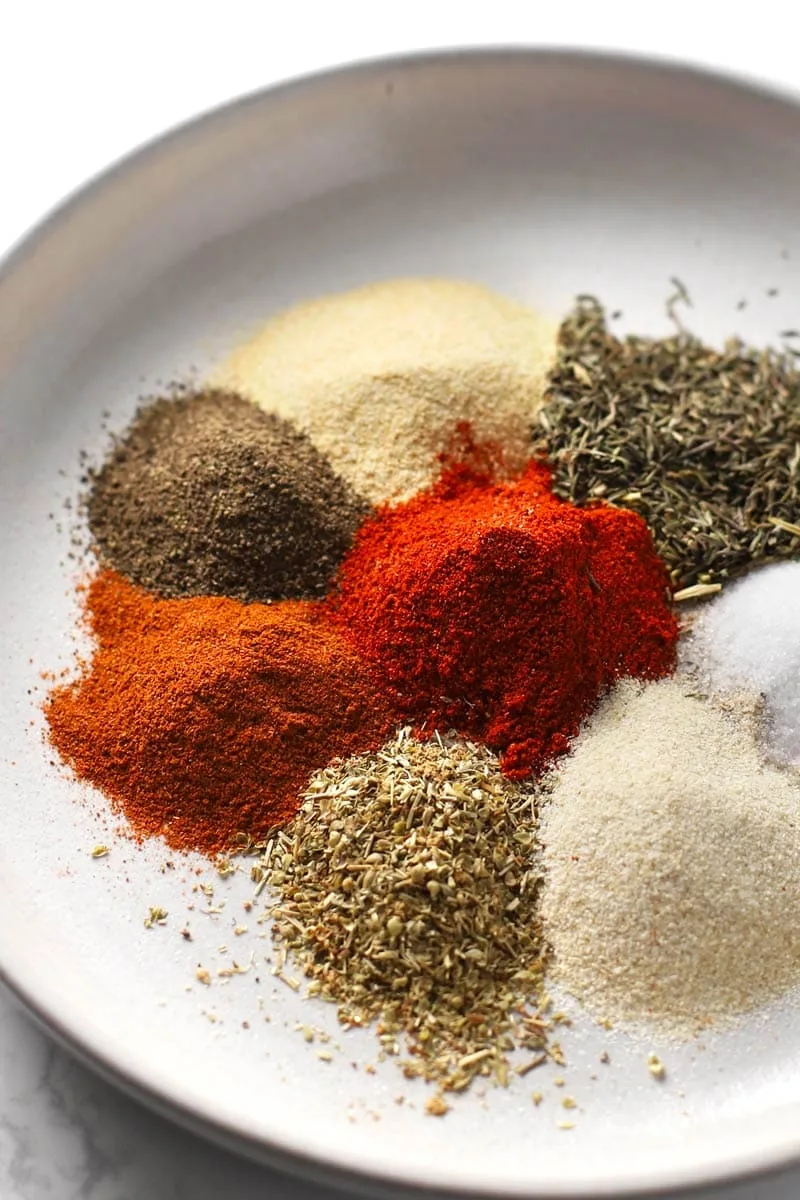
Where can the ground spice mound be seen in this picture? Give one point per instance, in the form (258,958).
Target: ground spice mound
(408,889)
(502,612)
(205,718)
(380,376)
(672,862)
(206,494)
(703,443)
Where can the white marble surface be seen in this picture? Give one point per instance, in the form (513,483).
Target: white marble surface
(67,1135)
(81,84)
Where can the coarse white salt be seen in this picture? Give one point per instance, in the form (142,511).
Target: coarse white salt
(749,637)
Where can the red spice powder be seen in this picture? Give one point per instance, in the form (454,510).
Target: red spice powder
(204,718)
(501,611)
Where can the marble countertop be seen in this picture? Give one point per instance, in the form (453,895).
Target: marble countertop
(67,1135)
(77,91)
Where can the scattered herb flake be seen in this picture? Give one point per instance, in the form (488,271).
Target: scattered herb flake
(437,1106)
(656,1067)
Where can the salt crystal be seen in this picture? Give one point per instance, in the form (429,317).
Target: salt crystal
(749,637)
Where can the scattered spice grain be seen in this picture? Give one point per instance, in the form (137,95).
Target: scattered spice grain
(656,1067)
(437,1106)
(155,916)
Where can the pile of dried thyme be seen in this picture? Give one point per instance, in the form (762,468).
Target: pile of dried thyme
(408,891)
(704,444)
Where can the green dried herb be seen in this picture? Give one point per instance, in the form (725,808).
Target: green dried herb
(704,444)
(408,889)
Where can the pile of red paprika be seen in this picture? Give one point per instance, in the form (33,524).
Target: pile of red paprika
(485,606)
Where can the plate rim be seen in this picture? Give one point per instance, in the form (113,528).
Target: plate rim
(80,1042)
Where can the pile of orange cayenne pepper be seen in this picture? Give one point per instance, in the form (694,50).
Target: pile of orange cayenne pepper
(204,718)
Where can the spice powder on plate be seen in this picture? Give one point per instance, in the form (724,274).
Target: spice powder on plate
(672,862)
(204,718)
(380,376)
(748,639)
(498,610)
(206,494)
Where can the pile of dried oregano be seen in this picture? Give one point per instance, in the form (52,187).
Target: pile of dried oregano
(408,889)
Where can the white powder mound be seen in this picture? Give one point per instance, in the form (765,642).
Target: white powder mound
(750,637)
(381,376)
(672,856)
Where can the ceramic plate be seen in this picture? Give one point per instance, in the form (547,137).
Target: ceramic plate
(542,175)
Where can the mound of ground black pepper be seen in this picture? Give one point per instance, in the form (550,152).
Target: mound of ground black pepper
(206,494)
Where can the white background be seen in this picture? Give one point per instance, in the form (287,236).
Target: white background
(82,83)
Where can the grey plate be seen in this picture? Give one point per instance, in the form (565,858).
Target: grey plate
(543,175)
